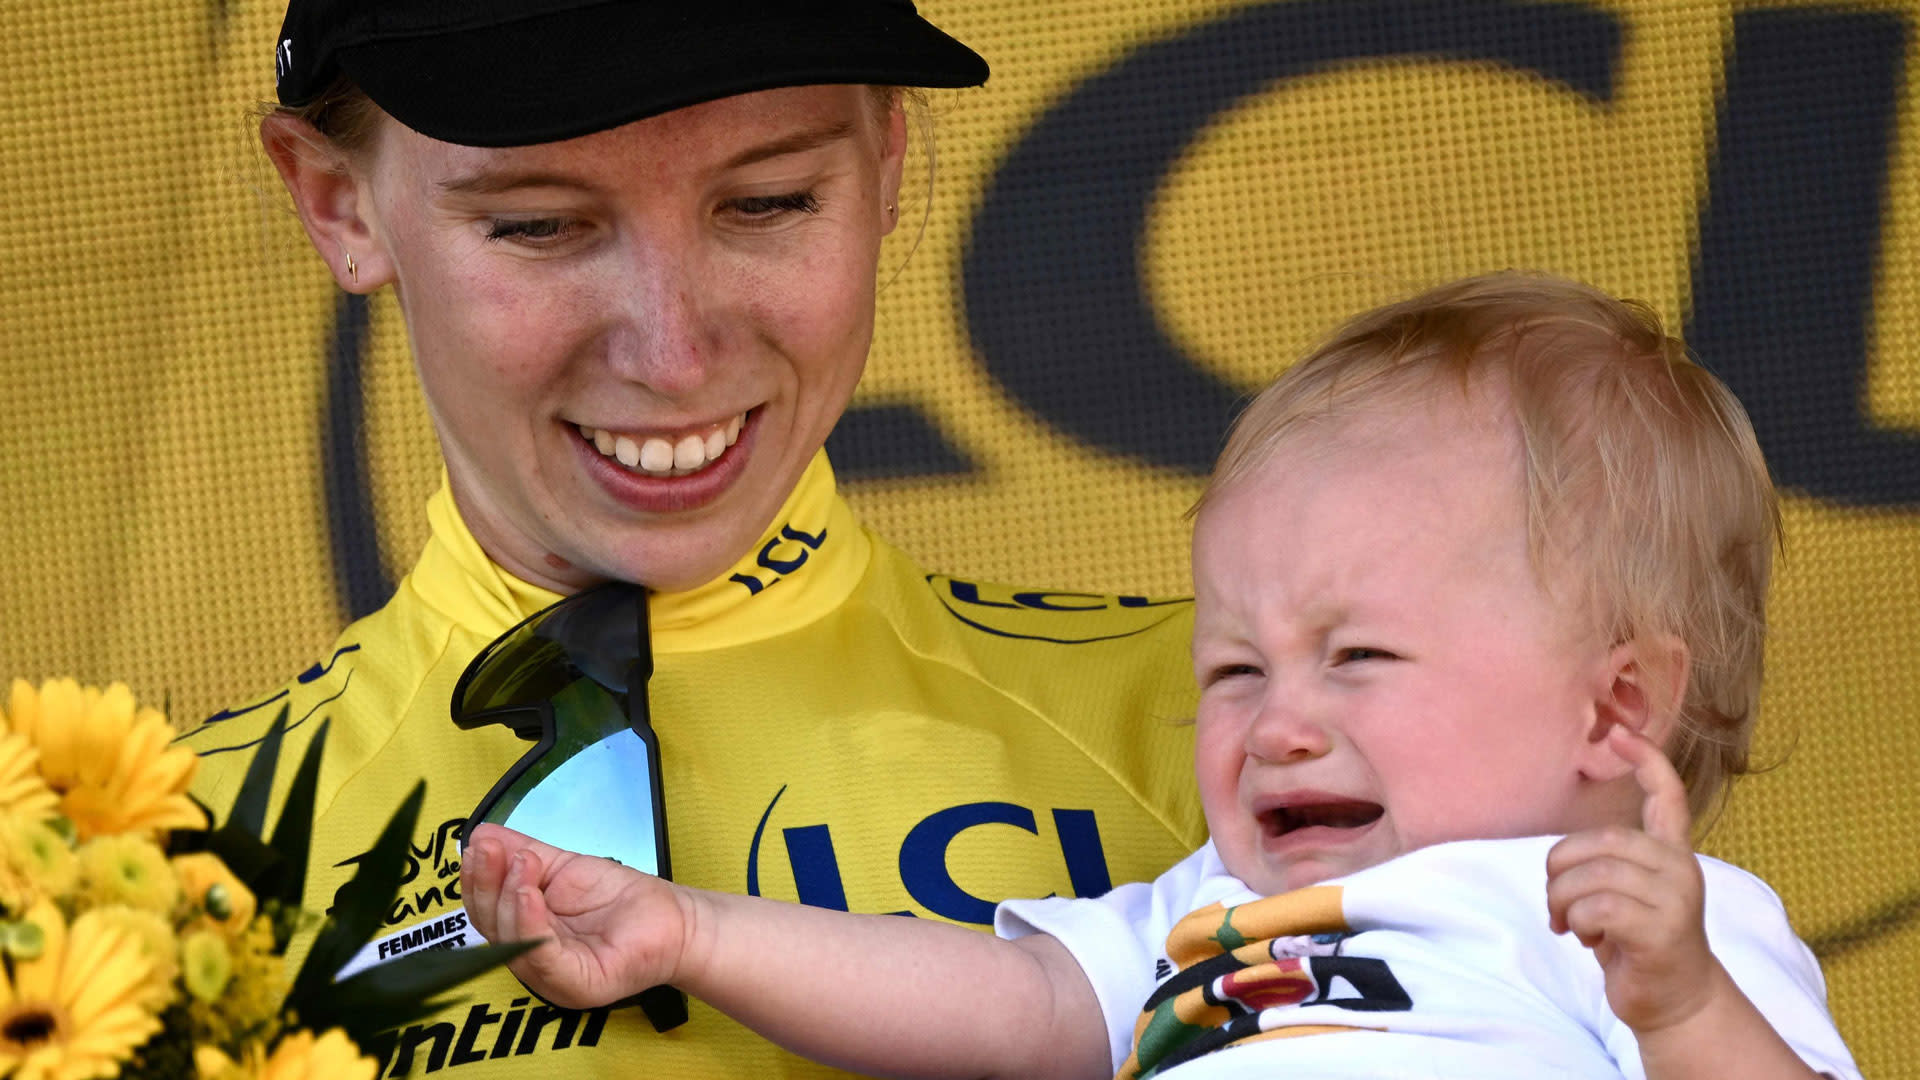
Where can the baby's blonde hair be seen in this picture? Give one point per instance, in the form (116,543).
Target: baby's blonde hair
(1644,483)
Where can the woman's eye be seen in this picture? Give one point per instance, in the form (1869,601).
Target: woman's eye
(535,231)
(769,206)
(1361,652)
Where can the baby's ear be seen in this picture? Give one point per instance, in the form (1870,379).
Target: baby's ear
(1641,688)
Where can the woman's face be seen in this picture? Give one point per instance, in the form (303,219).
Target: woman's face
(633,342)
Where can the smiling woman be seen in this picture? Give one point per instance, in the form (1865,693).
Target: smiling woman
(701,277)
(635,247)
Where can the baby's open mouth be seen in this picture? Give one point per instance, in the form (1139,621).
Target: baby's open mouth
(1329,815)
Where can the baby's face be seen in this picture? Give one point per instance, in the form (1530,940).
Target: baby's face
(1379,667)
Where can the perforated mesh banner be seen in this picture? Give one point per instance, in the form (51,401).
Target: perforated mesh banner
(212,457)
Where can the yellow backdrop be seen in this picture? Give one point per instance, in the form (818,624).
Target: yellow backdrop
(210,459)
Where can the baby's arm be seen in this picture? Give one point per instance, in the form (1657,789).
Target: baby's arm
(879,994)
(1636,898)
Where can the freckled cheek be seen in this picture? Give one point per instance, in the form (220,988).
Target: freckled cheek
(825,335)
(516,334)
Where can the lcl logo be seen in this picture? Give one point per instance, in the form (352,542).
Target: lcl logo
(923,857)
(1782,272)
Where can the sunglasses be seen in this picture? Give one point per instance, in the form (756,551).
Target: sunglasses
(572,678)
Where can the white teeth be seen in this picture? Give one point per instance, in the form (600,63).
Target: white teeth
(625,449)
(690,452)
(655,455)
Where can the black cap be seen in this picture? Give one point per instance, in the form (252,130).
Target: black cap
(516,72)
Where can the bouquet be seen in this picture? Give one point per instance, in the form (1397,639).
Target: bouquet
(137,942)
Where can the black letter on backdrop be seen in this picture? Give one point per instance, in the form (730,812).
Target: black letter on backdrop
(1783,283)
(1052,272)
(1783,278)
(361,583)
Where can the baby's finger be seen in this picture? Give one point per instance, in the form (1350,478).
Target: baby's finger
(511,841)
(521,912)
(1596,876)
(1599,917)
(482,867)
(1607,842)
(1664,813)
(523,917)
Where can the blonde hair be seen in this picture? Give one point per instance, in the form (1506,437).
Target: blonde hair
(1644,483)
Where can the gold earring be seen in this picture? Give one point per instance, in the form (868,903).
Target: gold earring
(889,209)
(353,269)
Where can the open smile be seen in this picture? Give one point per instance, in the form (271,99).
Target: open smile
(666,455)
(668,471)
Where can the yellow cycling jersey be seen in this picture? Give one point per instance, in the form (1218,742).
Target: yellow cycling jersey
(837,726)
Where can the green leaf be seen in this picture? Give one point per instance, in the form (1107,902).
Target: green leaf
(276,871)
(249,812)
(402,991)
(250,860)
(360,907)
(293,833)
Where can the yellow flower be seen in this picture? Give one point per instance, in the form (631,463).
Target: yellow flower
(152,936)
(23,793)
(253,995)
(73,1012)
(206,965)
(210,886)
(110,761)
(128,870)
(211,1063)
(299,1056)
(35,862)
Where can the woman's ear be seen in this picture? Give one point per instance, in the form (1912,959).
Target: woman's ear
(893,163)
(331,201)
(1641,687)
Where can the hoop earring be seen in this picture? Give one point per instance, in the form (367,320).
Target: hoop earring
(353,269)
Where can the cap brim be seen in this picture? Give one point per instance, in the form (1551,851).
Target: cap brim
(532,81)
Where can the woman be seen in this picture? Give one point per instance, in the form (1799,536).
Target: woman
(636,247)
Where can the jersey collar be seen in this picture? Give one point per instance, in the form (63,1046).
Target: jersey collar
(803,566)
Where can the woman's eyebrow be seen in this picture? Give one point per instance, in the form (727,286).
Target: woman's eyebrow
(798,142)
(488,182)
(493,182)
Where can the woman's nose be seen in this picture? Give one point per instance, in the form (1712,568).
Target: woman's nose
(664,333)
(1287,729)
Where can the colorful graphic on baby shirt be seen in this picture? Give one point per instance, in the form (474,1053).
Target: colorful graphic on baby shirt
(1244,972)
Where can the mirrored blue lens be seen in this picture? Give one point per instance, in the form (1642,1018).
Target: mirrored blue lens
(599,801)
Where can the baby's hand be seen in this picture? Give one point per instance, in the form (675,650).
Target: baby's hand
(609,931)
(1636,898)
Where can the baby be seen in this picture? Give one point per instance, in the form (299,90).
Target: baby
(1479,604)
